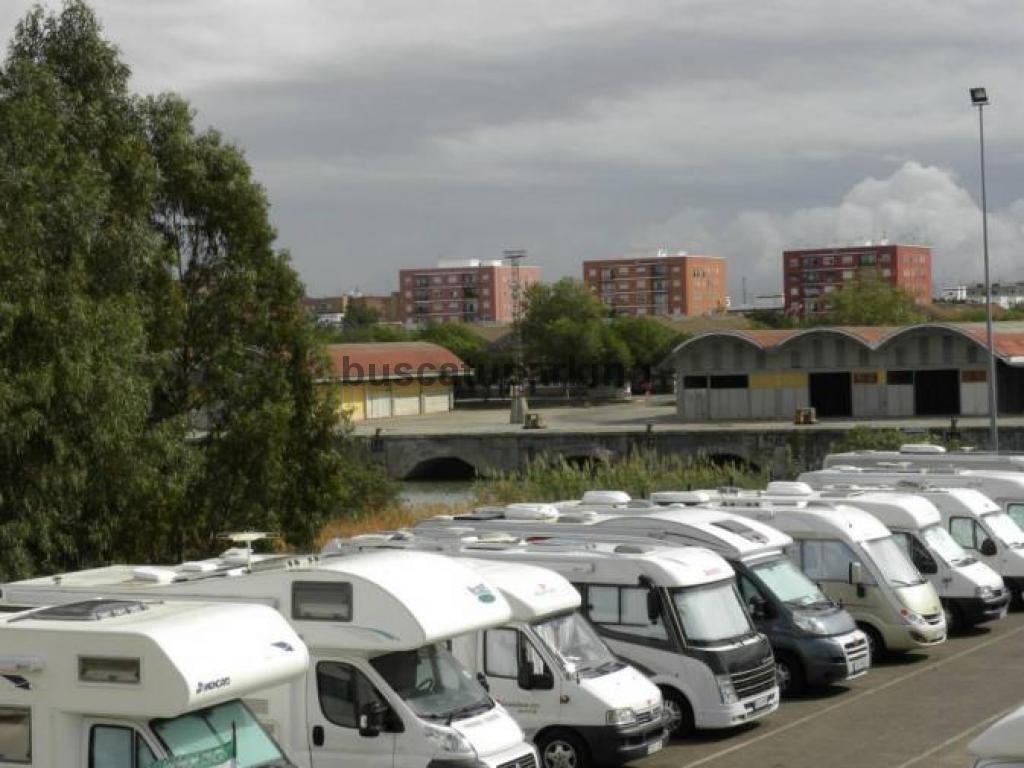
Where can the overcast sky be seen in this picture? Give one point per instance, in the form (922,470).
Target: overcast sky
(391,133)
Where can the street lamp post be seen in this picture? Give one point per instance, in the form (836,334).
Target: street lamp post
(517,410)
(979,98)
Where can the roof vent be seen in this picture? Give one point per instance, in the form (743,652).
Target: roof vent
(531,512)
(605,497)
(681,497)
(88,610)
(738,528)
(789,488)
(921,448)
(152,574)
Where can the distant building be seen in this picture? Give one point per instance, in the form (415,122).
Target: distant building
(327,311)
(472,291)
(386,307)
(811,274)
(1005,295)
(676,285)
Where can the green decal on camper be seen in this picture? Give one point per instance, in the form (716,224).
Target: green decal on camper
(216,757)
(483,594)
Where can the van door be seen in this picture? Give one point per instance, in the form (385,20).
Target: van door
(828,562)
(339,700)
(970,534)
(115,745)
(510,662)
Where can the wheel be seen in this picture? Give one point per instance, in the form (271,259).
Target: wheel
(562,749)
(876,645)
(954,619)
(789,674)
(680,713)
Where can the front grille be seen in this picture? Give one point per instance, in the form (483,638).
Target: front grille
(933,618)
(651,715)
(755,681)
(526,761)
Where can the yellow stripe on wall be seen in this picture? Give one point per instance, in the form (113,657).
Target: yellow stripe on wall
(781,380)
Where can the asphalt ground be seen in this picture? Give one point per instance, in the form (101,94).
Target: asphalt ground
(919,710)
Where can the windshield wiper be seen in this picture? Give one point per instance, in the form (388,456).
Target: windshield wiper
(469,710)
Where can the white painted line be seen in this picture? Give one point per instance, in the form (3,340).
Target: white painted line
(953,739)
(852,699)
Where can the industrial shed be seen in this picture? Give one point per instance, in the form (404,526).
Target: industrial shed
(932,369)
(381,380)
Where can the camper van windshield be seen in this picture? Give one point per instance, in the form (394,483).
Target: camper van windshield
(789,584)
(892,562)
(941,543)
(210,730)
(433,683)
(1002,525)
(576,643)
(712,613)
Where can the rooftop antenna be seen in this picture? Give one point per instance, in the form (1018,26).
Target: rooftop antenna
(246,539)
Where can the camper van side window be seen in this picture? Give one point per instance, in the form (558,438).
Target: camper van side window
(15,735)
(500,653)
(117,746)
(343,692)
(322,600)
(1016,513)
(962,529)
(829,561)
(623,610)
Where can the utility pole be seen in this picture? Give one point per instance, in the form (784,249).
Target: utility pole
(518,406)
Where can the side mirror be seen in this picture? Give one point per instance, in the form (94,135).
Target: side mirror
(524,676)
(988,548)
(371,718)
(856,573)
(926,565)
(758,608)
(545,681)
(653,605)
(482,679)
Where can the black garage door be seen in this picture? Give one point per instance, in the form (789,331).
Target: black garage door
(830,394)
(937,393)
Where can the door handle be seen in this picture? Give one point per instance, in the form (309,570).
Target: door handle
(318,735)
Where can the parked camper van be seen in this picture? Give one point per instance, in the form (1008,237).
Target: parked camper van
(926,456)
(970,591)
(548,667)
(858,563)
(988,527)
(382,688)
(672,612)
(1001,745)
(119,682)
(814,641)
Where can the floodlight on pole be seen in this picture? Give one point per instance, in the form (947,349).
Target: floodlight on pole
(979,99)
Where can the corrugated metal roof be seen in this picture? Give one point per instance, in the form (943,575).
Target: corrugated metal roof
(382,361)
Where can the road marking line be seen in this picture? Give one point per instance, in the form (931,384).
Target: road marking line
(856,697)
(953,739)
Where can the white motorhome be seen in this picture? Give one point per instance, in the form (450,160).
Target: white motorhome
(998,539)
(858,563)
(382,689)
(1001,745)
(814,641)
(970,591)
(134,683)
(548,667)
(672,612)
(926,456)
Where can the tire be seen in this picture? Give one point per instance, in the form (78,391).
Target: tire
(1016,595)
(954,619)
(560,748)
(876,645)
(789,674)
(680,713)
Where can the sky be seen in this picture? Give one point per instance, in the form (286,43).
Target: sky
(394,133)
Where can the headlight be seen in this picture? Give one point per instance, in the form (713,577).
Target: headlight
(726,689)
(912,618)
(624,716)
(447,740)
(984,592)
(809,624)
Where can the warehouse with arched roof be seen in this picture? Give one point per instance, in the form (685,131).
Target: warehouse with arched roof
(932,369)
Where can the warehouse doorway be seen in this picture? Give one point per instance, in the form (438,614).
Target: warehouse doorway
(831,394)
(937,393)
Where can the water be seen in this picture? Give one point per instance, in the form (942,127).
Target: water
(421,493)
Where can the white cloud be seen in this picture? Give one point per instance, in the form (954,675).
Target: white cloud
(916,204)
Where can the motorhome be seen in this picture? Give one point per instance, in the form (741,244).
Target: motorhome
(970,591)
(987,523)
(672,612)
(120,682)
(926,456)
(858,563)
(1001,745)
(548,667)
(814,641)
(382,689)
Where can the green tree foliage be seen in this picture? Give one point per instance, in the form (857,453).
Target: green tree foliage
(870,302)
(362,325)
(156,369)
(458,338)
(649,341)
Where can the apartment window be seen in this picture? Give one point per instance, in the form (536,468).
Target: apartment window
(867,260)
(794,291)
(453,279)
(436,280)
(486,304)
(848,260)
(794,261)
(421,281)
(847,274)
(677,283)
(592,272)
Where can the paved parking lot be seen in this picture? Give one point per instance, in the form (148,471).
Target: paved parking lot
(918,711)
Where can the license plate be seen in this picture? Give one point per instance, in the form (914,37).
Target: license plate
(762,702)
(858,665)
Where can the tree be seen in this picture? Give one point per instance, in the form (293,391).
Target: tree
(869,302)
(649,342)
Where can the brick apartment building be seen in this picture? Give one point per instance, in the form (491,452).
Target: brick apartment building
(677,285)
(473,291)
(809,275)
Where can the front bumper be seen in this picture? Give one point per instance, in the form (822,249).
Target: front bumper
(745,711)
(616,745)
(512,758)
(834,659)
(975,610)
(907,637)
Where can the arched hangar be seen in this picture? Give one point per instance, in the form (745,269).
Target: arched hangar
(932,369)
